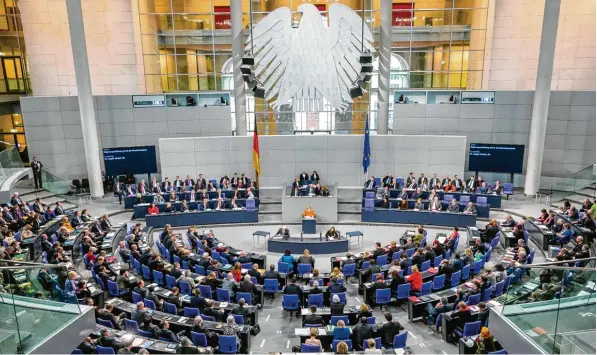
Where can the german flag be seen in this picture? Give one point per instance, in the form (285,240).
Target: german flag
(256,164)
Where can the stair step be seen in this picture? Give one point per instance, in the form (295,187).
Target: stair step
(43,194)
(349,208)
(576,198)
(349,218)
(588,191)
(270,218)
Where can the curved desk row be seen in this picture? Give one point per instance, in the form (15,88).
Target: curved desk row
(179,219)
(129,201)
(419,217)
(494,201)
(141,209)
(482,210)
(315,245)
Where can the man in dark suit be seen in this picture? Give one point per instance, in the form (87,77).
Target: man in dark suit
(234,180)
(36,166)
(200,183)
(336,287)
(457,183)
(176,272)
(446,268)
(188,183)
(405,262)
(196,300)
(410,180)
(254,272)
(313,318)
(15,199)
(166,333)
(177,183)
(433,181)
(58,210)
(389,330)
(107,340)
(370,184)
(246,285)
(418,258)
(283,232)
(76,220)
(387,180)
(46,245)
(303,177)
(362,331)
(294,289)
(272,273)
(106,314)
(139,313)
(445,181)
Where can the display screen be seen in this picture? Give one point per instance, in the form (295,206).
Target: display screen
(496,158)
(130,160)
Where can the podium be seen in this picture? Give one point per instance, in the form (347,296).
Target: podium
(309,226)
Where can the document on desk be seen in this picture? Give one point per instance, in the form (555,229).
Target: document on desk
(223,305)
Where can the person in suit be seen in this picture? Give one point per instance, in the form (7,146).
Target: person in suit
(470,208)
(457,182)
(453,207)
(336,307)
(272,273)
(411,180)
(139,313)
(107,340)
(246,285)
(336,287)
(303,177)
(387,180)
(15,200)
(389,330)
(315,176)
(433,181)
(283,232)
(294,289)
(479,182)
(177,183)
(200,183)
(296,188)
(435,205)
(471,185)
(362,331)
(370,184)
(313,318)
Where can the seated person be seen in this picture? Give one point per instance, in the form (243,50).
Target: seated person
(336,307)
(485,343)
(389,330)
(341,332)
(370,184)
(403,205)
(497,189)
(312,318)
(435,205)
(153,209)
(419,204)
(168,208)
(483,189)
(184,206)
(283,232)
(312,340)
(470,209)
(417,194)
(433,312)
(454,207)
(309,213)
(385,203)
(459,318)
(563,237)
(332,233)
(297,188)
(362,331)
(235,205)
(403,194)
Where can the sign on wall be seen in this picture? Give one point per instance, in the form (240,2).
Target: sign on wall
(149,101)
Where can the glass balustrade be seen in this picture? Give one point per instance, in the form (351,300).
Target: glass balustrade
(554,306)
(576,182)
(10,163)
(55,184)
(32,309)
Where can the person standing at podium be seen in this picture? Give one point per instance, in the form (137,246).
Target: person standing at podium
(309,213)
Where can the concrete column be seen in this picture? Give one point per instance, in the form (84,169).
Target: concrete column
(549,31)
(238,51)
(385,56)
(86,109)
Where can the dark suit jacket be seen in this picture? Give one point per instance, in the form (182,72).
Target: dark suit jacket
(314,319)
(110,342)
(389,330)
(362,332)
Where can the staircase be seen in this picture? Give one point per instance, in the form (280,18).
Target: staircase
(575,189)
(270,205)
(49,195)
(349,204)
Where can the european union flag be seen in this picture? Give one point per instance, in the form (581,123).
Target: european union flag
(366,148)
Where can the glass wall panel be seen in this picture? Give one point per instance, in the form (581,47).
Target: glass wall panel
(435,44)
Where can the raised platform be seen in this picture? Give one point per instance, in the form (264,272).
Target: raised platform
(315,245)
(179,219)
(326,208)
(445,219)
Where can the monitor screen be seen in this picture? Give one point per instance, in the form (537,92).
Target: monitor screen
(130,160)
(496,158)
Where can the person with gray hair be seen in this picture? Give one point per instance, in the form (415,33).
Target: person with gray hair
(337,307)
(247,286)
(186,277)
(242,309)
(230,329)
(433,312)
(143,351)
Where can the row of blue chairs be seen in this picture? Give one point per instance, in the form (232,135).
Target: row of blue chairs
(399,343)
(226,344)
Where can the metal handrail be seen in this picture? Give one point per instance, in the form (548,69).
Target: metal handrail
(552,265)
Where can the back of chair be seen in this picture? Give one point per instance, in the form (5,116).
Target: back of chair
(396,255)
(481,200)
(205,291)
(190,312)
(455,279)
(239,319)
(349,269)
(247,296)
(369,204)
(283,267)
(336,342)
(410,252)
(438,259)
(403,291)
(198,339)
(185,288)
(199,270)
(271,285)
(381,260)
(290,302)
(439,282)
(425,265)
(104,350)
(105,322)
(466,271)
(222,295)
(131,325)
(306,348)
(377,343)
(227,344)
(304,269)
(508,188)
(170,282)
(473,300)
(170,308)
(400,340)
(426,288)
(471,329)
(383,296)
(465,198)
(316,299)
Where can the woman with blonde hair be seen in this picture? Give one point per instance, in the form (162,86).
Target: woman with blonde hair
(336,273)
(312,340)
(306,258)
(342,348)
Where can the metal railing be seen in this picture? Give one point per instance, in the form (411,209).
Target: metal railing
(576,182)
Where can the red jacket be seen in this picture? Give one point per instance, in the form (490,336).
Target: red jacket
(153,210)
(416,281)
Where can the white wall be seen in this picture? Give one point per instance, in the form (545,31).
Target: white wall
(337,158)
(512,54)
